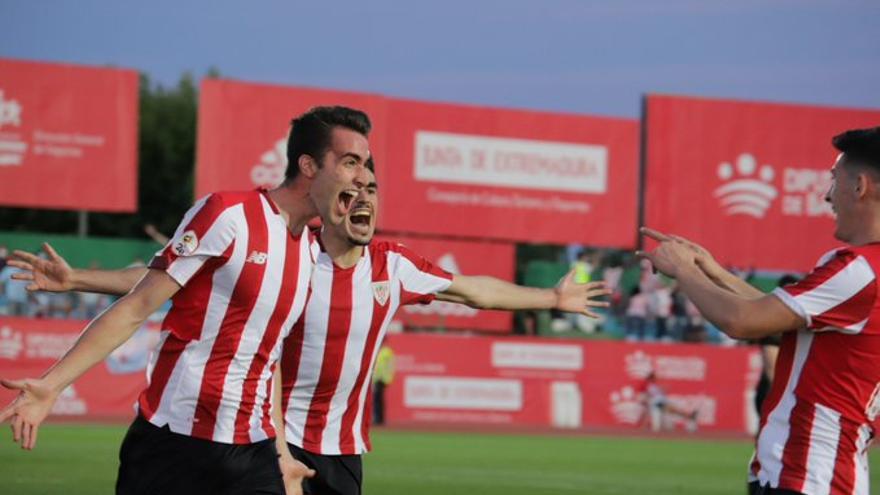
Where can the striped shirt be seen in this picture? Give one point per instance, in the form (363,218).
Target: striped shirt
(244,280)
(818,419)
(328,359)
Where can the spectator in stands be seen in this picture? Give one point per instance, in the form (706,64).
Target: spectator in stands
(14,292)
(4,253)
(660,308)
(636,315)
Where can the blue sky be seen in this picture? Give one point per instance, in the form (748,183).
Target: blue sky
(593,57)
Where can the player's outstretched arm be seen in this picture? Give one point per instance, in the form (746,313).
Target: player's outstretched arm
(704,259)
(738,316)
(485,292)
(54,274)
(103,335)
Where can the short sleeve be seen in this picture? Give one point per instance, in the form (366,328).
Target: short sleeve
(838,294)
(206,231)
(420,279)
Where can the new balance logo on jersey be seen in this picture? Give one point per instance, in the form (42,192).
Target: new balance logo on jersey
(381,292)
(743,194)
(257,258)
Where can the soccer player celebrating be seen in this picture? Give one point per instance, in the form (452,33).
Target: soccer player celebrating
(818,419)
(237,272)
(357,287)
(327,361)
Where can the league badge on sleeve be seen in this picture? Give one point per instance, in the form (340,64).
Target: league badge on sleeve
(381,292)
(187,244)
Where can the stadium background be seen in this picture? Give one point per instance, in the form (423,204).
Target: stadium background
(91,155)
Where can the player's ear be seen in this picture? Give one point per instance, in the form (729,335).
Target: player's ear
(307,166)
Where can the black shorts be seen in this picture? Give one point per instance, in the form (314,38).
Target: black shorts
(156,461)
(335,474)
(756,489)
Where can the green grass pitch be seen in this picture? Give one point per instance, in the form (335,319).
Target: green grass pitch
(74,459)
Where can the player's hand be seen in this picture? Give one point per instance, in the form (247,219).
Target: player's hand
(702,256)
(50,275)
(28,410)
(670,257)
(579,298)
(293,472)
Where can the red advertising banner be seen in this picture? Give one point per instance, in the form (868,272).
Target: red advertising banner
(243,127)
(68,136)
(530,382)
(510,174)
(747,180)
(467,258)
(443,169)
(108,391)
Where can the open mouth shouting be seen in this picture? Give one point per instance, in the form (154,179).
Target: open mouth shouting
(345,201)
(361,222)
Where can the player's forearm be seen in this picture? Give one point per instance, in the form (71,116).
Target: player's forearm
(484,292)
(728,281)
(727,310)
(99,339)
(278,414)
(113,282)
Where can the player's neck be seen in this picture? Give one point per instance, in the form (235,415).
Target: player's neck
(294,204)
(343,253)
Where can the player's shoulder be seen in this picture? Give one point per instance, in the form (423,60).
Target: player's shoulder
(871,252)
(228,199)
(385,247)
(860,262)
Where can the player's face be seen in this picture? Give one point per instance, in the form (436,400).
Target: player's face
(341,177)
(360,223)
(843,197)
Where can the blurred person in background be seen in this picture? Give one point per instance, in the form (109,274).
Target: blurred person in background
(658,407)
(636,315)
(15,294)
(769,353)
(356,287)
(4,253)
(382,378)
(820,415)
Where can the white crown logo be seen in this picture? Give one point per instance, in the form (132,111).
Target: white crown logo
(626,405)
(10,111)
(273,164)
(638,365)
(743,194)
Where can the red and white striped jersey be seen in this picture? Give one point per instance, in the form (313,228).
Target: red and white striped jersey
(244,280)
(327,362)
(818,419)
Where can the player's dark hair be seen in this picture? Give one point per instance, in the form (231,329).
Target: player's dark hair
(311,132)
(860,146)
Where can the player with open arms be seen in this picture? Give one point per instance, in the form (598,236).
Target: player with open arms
(237,271)
(819,417)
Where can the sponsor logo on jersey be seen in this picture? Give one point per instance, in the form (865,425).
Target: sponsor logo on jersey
(257,257)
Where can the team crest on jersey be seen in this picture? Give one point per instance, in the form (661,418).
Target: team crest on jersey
(187,244)
(381,292)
